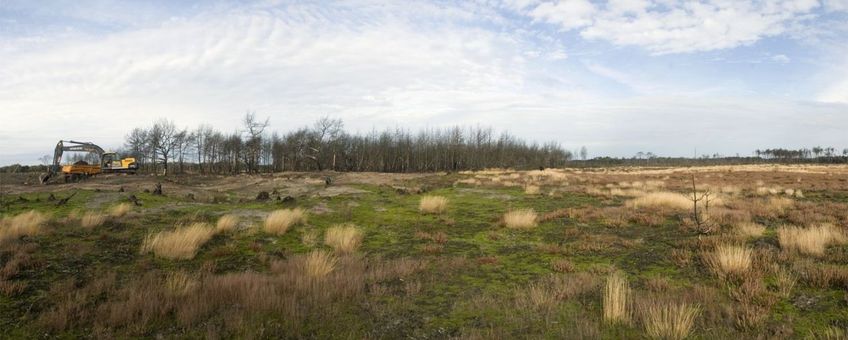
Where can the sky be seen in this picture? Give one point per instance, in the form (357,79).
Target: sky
(617,76)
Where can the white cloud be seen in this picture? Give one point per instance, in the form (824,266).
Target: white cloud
(664,27)
(568,14)
(780,58)
(836,5)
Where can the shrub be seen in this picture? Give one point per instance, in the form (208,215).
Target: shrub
(433,204)
(615,298)
(279,221)
(520,219)
(181,243)
(729,259)
(669,320)
(318,264)
(661,199)
(92,219)
(26,224)
(343,238)
(120,210)
(812,241)
(226,223)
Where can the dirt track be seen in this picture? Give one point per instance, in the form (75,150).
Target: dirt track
(209,186)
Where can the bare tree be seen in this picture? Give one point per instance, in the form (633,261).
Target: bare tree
(164,136)
(325,131)
(701,209)
(253,140)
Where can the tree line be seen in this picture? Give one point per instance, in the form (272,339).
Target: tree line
(165,148)
(814,153)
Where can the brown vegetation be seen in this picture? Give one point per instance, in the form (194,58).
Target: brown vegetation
(520,219)
(181,243)
(26,224)
(279,221)
(344,238)
(616,299)
(226,223)
(120,210)
(433,204)
(811,241)
(92,219)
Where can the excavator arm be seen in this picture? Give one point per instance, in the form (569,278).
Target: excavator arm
(71,146)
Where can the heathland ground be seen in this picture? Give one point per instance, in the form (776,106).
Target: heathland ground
(556,253)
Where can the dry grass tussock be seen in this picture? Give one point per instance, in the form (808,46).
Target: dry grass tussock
(344,238)
(181,283)
(812,241)
(664,199)
(279,221)
(181,243)
(548,292)
(669,320)
(532,190)
(433,204)
(26,224)
(92,219)
(778,204)
(729,260)
(616,298)
(226,223)
(318,264)
(520,219)
(749,229)
(120,210)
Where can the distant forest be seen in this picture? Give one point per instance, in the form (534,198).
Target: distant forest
(325,145)
(164,148)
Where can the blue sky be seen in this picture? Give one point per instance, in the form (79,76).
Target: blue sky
(616,76)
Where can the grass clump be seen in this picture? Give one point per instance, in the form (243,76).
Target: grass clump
(615,299)
(26,224)
(812,241)
(665,199)
(669,320)
(728,259)
(343,238)
(520,219)
(181,243)
(226,223)
(433,204)
(318,264)
(120,210)
(750,229)
(92,219)
(532,190)
(279,221)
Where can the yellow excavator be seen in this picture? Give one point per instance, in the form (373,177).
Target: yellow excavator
(109,162)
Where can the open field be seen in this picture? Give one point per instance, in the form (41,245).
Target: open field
(592,253)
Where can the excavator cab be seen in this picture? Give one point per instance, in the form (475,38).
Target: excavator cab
(110,160)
